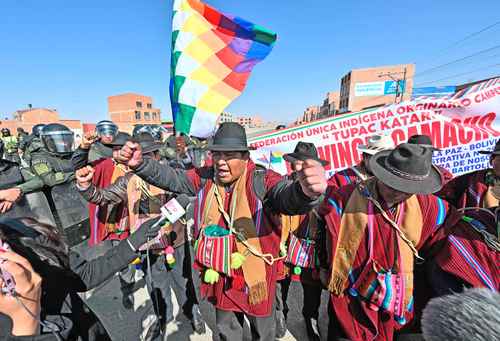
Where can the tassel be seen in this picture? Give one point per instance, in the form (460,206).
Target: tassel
(336,285)
(237,260)
(211,276)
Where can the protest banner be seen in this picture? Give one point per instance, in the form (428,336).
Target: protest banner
(459,125)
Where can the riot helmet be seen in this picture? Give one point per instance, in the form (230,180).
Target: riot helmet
(106,130)
(142,128)
(5,132)
(57,138)
(37,129)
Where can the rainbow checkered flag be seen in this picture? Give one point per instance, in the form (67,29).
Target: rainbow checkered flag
(213,55)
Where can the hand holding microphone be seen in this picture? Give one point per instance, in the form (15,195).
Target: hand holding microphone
(172,211)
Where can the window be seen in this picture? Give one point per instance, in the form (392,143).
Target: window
(138,104)
(137,115)
(147,117)
(154,116)
(149,105)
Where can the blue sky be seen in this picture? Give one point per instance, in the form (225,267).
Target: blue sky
(71,55)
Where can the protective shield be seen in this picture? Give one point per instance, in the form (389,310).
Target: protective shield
(32,205)
(71,212)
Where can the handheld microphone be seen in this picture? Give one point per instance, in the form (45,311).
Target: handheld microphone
(171,212)
(473,315)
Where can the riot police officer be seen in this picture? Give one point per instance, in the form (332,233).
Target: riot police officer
(52,164)
(10,146)
(19,193)
(106,132)
(32,143)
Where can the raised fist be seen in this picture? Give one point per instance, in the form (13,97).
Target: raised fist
(312,179)
(88,139)
(130,155)
(84,176)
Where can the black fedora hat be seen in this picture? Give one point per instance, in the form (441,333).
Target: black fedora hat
(408,168)
(148,143)
(495,151)
(304,151)
(422,140)
(119,140)
(229,137)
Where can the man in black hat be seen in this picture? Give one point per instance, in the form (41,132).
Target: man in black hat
(228,200)
(377,229)
(299,233)
(475,189)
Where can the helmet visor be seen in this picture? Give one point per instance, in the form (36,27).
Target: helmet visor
(59,142)
(109,130)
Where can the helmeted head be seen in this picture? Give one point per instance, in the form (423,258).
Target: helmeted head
(57,139)
(106,130)
(37,128)
(5,132)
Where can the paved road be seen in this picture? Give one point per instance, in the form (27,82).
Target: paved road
(181,328)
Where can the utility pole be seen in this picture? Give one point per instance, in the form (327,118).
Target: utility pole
(397,98)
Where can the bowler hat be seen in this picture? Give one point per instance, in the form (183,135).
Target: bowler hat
(422,140)
(304,151)
(229,137)
(495,151)
(377,143)
(148,143)
(119,140)
(407,168)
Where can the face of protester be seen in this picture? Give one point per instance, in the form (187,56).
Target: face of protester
(229,166)
(107,139)
(390,195)
(495,164)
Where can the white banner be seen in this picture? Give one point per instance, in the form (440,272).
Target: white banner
(460,126)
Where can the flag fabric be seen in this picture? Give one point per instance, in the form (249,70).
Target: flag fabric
(276,157)
(213,55)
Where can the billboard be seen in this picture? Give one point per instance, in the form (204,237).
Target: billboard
(381,88)
(434,91)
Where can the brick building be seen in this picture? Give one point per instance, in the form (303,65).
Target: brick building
(377,86)
(330,104)
(129,109)
(27,118)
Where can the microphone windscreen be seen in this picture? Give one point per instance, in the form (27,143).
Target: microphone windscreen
(473,315)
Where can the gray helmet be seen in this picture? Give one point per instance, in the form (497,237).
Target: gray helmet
(106,128)
(37,129)
(57,138)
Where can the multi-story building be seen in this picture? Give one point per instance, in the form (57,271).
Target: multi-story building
(330,104)
(226,117)
(310,114)
(129,109)
(377,86)
(27,118)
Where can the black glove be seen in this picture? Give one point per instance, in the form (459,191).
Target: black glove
(147,231)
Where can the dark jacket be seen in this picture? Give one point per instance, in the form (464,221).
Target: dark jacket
(60,303)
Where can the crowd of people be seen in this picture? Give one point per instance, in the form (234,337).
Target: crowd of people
(86,251)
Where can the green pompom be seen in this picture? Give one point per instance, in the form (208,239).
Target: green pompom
(237,260)
(297,270)
(211,276)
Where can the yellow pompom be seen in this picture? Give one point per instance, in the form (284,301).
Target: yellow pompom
(136,261)
(211,276)
(170,259)
(237,260)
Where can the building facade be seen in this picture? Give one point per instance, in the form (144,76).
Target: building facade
(129,109)
(330,105)
(27,118)
(377,86)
